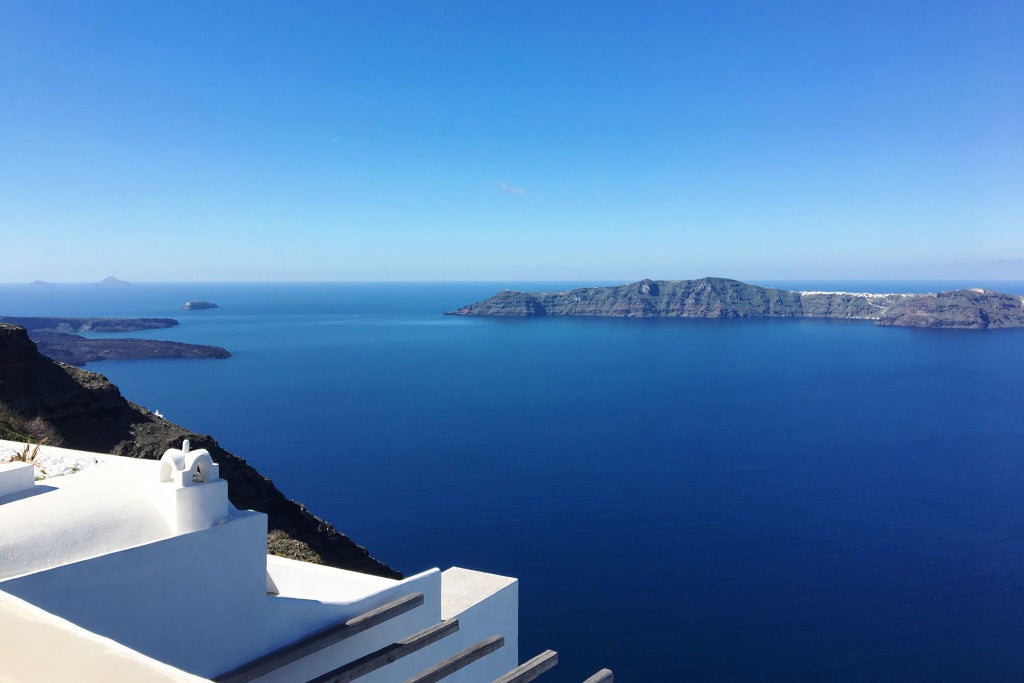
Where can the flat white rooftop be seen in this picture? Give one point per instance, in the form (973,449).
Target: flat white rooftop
(142,570)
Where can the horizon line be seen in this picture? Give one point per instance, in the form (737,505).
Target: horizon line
(129,283)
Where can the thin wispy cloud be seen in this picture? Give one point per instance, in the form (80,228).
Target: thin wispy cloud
(512,189)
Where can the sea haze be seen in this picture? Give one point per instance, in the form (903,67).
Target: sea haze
(680,499)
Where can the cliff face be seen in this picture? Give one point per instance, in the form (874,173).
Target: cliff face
(723,298)
(969,309)
(709,297)
(704,298)
(66,406)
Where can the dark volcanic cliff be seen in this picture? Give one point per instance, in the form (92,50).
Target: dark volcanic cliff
(708,297)
(44,400)
(969,309)
(723,298)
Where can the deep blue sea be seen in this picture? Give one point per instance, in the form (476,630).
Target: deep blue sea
(680,499)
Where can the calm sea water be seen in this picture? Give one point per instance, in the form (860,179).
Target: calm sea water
(681,500)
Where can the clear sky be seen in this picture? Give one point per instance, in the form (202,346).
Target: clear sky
(511,140)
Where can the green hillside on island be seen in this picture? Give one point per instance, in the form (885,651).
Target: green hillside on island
(713,297)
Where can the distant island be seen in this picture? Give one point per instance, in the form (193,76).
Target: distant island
(111,281)
(57,339)
(198,305)
(713,297)
(72,325)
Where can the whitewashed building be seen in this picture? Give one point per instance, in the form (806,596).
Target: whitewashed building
(141,570)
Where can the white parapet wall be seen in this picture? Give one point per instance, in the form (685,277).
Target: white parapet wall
(428,583)
(178,600)
(151,555)
(16,477)
(485,604)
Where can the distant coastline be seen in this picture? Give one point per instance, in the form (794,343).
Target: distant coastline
(712,297)
(57,338)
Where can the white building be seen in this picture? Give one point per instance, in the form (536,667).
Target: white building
(141,570)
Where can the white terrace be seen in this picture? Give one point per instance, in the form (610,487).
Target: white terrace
(141,570)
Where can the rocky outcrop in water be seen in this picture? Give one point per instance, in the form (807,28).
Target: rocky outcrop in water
(55,338)
(66,406)
(723,298)
(75,350)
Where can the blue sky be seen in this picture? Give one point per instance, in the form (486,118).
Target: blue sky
(380,140)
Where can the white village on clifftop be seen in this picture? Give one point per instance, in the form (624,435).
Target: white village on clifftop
(141,570)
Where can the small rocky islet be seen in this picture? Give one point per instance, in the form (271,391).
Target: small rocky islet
(711,297)
(198,305)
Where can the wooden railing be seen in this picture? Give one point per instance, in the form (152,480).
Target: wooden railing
(389,654)
(323,638)
(459,660)
(293,652)
(529,670)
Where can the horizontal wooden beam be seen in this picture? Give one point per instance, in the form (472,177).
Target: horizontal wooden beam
(529,670)
(457,661)
(602,676)
(389,654)
(314,642)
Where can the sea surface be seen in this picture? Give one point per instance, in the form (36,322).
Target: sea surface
(680,499)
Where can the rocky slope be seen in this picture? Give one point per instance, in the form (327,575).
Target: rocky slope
(969,309)
(724,298)
(63,405)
